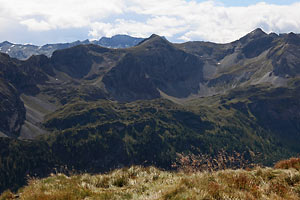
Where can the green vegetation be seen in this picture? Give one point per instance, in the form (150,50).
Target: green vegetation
(152,132)
(20,159)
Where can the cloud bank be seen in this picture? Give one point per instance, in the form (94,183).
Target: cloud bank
(178,20)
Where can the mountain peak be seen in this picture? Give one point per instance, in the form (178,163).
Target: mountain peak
(154,39)
(154,36)
(6,43)
(292,38)
(255,34)
(258,31)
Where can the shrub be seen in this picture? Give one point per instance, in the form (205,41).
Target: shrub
(223,160)
(287,164)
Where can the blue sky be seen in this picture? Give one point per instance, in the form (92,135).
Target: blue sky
(40,22)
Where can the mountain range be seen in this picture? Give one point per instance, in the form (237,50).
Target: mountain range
(24,51)
(114,107)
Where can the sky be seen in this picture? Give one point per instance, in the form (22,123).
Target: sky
(42,21)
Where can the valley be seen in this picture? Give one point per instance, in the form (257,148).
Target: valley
(94,109)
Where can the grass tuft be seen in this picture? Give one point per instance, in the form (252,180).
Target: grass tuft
(151,183)
(6,195)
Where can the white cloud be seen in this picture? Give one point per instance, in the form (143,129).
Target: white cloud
(163,25)
(213,21)
(44,15)
(99,28)
(35,25)
(175,19)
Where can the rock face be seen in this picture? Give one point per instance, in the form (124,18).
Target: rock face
(12,111)
(18,78)
(285,56)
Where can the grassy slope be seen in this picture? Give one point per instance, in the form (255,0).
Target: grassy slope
(152,183)
(153,131)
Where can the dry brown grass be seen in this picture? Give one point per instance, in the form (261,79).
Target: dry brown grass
(288,164)
(7,195)
(151,183)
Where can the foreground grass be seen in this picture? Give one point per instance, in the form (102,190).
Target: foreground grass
(151,183)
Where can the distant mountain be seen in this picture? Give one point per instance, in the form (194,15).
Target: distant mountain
(118,41)
(143,104)
(23,52)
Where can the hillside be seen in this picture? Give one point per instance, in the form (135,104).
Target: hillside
(151,183)
(104,135)
(112,108)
